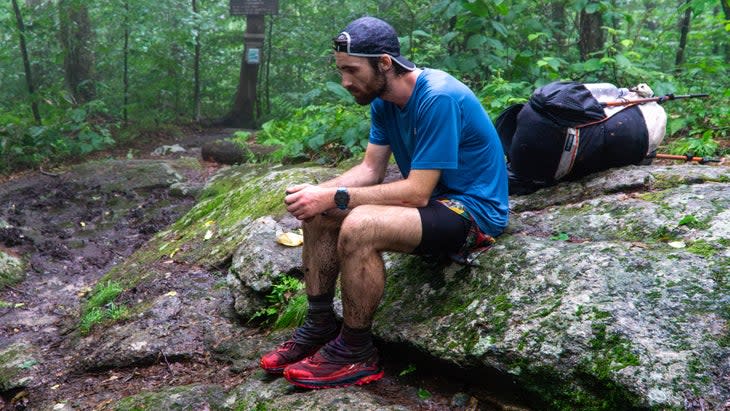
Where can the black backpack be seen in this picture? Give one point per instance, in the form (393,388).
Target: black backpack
(564,132)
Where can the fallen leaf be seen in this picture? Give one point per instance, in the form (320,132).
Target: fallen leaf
(83,291)
(112,377)
(290,239)
(677,244)
(171,294)
(208,235)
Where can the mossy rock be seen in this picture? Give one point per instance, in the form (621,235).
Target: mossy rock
(225,152)
(193,397)
(209,234)
(15,361)
(12,269)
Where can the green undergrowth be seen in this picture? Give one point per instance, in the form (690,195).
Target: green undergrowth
(14,271)
(286,304)
(100,307)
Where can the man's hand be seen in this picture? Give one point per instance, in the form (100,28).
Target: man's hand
(305,201)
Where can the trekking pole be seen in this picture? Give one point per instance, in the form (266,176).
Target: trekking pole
(659,100)
(687,157)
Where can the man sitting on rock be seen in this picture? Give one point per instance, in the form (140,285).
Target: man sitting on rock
(452,200)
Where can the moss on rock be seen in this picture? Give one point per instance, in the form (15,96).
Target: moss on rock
(15,359)
(12,269)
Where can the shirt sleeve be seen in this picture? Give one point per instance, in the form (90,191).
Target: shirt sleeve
(437,134)
(378,134)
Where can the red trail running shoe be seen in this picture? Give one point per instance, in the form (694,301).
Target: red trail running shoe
(289,352)
(318,371)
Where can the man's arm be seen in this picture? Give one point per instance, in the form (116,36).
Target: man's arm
(306,201)
(370,171)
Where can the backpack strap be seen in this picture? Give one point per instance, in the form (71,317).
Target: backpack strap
(570,149)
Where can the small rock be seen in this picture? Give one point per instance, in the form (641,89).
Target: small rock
(165,150)
(185,189)
(460,400)
(223,152)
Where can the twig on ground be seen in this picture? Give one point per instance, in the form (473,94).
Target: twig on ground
(48,173)
(168,363)
(16,290)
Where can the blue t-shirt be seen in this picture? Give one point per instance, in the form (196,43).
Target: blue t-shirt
(444,126)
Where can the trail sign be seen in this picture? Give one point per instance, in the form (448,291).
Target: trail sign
(244,104)
(254,7)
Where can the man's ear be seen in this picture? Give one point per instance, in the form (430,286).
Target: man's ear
(386,62)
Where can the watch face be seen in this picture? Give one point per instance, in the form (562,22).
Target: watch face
(342,198)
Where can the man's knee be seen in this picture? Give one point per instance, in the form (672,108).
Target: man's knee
(358,230)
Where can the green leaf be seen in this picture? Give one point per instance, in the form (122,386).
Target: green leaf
(495,44)
(477,7)
(424,394)
(28,364)
(502,7)
(593,64)
(561,236)
(409,369)
(622,61)
(340,92)
(592,8)
(676,124)
(36,131)
(78,115)
(476,41)
(448,37)
(500,28)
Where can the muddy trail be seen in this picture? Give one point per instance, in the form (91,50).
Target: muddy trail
(71,232)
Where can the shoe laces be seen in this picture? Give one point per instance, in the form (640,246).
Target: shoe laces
(286,345)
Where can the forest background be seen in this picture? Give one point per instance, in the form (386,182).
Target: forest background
(78,76)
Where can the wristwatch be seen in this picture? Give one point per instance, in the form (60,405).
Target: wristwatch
(342,198)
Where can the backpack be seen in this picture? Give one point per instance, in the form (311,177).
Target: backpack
(564,132)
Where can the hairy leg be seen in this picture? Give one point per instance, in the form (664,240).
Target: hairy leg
(365,233)
(319,253)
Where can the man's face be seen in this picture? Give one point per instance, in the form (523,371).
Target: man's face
(360,79)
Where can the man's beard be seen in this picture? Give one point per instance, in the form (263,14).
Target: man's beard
(379,87)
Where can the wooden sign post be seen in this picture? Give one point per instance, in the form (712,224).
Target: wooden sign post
(243,112)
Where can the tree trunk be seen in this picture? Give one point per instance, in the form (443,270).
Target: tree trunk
(26,64)
(726,9)
(269,53)
(77,42)
(242,112)
(683,32)
(591,34)
(196,67)
(125,69)
(558,19)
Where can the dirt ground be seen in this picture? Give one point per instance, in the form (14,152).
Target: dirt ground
(71,237)
(72,240)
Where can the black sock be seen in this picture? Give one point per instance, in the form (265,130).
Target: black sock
(352,345)
(320,324)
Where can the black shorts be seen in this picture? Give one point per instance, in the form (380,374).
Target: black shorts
(443,231)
